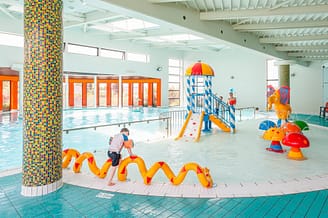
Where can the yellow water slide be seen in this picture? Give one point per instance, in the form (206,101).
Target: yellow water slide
(217,121)
(192,126)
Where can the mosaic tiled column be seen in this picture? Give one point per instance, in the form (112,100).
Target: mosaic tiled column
(284,75)
(43,104)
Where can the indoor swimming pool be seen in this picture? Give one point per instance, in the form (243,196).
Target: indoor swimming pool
(231,158)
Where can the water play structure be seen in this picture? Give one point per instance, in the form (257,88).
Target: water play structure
(203,174)
(280,98)
(204,108)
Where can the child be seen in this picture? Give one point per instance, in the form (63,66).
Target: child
(231,100)
(114,151)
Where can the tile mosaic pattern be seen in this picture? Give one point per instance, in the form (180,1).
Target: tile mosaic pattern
(42,92)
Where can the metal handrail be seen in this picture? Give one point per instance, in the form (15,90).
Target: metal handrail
(175,119)
(245,108)
(117,124)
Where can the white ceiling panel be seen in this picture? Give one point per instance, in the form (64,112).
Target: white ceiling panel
(287,29)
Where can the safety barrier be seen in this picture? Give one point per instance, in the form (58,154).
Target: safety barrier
(175,121)
(242,110)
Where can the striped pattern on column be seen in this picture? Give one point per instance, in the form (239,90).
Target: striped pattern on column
(210,94)
(232,118)
(43,103)
(206,97)
(193,96)
(188,94)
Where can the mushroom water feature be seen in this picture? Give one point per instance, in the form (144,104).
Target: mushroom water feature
(290,127)
(301,124)
(296,141)
(275,135)
(266,124)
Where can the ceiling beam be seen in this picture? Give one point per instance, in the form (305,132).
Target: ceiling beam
(7,12)
(10,2)
(93,18)
(167,1)
(177,16)
(285,25)
(302,48)
(263,12)
(325,58)
(293,38)
(307,54)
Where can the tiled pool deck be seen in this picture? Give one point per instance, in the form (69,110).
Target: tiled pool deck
(74,201)
(84,195)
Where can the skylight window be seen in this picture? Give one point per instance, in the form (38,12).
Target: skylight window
(126,25)
(180,37)
(11,40)
(173,38)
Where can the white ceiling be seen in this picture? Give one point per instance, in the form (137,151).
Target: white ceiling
(287,29)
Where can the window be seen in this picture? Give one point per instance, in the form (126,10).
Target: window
(6,95)
(272,77)
(102,94)
(136,94)
(78,94)
(111,53)
(114,94)
(125,94)
(81,49)
(174,82)
(90,94)
(137,57)
(11,40)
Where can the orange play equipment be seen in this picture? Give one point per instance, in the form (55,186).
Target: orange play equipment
(203,174)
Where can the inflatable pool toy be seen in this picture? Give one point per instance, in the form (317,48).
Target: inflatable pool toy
(203,174)
(79,158)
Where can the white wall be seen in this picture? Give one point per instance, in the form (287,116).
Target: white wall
(306,88)
(247,68)
(249,71)
(11,55)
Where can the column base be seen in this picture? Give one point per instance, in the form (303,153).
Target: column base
(29,191)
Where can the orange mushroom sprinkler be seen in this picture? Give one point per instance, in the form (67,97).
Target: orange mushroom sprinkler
(290,127)
(274,134)
(296,141)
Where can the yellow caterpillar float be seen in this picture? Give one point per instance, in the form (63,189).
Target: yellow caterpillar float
(203,174)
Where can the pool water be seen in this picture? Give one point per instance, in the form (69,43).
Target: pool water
(231,158)
(11,129)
